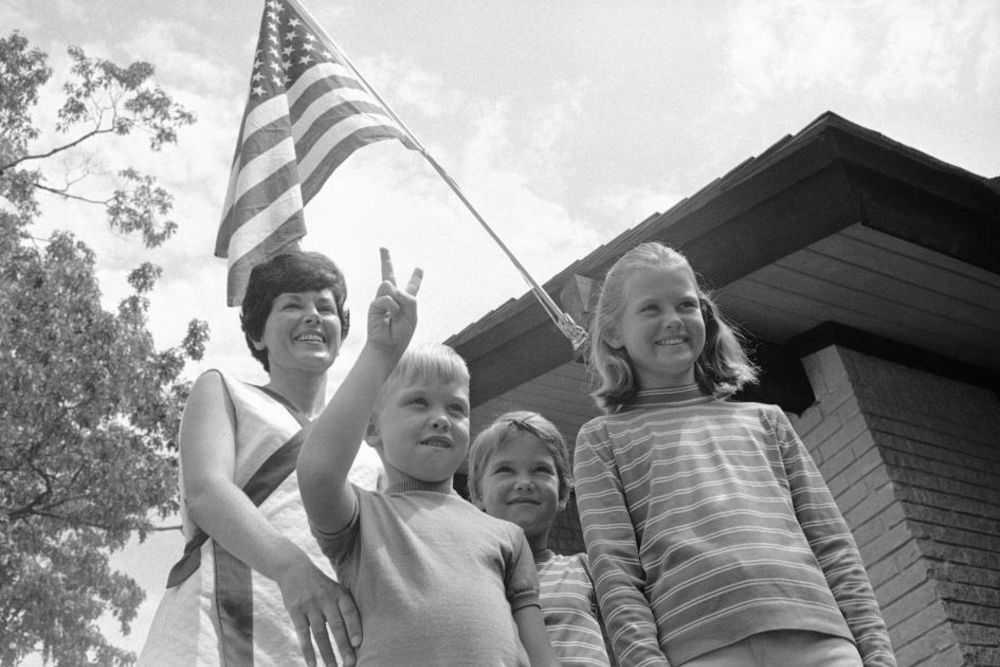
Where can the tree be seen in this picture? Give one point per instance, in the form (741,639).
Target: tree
(89,408)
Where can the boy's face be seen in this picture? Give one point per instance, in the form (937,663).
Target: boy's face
(521,484)
(422,429)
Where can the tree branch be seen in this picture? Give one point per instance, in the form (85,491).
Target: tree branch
(58,149)
(67,195)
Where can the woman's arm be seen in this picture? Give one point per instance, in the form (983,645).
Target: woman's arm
(224,512)
(534,636)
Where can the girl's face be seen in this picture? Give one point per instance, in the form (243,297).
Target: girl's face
(661,326)
(302,331)
(521,484)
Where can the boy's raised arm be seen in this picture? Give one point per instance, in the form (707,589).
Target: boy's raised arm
(332,441)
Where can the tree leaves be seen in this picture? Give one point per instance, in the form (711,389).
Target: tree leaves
(90,409)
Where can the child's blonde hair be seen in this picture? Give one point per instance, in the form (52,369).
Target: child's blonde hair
(422,361)
(720,370)
(502,430)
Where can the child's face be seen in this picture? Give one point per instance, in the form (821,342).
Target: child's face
(661,327)
(422,430)
(521,484)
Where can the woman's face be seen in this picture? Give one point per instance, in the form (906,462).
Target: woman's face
(302,332)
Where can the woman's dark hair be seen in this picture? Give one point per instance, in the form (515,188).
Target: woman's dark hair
(295,271)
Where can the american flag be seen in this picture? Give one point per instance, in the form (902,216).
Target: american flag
(307,112)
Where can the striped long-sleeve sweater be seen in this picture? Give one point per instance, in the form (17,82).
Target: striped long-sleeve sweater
(706,521)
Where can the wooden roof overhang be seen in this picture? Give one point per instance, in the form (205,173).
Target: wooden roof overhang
(834,235)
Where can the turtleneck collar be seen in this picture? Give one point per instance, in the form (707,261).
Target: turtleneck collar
(689,394)
(406,485)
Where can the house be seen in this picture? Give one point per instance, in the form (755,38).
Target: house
(868,275)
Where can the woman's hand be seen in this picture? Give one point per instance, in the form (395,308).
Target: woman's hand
(315,602)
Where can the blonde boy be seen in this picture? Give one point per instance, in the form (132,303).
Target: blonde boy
(435,580)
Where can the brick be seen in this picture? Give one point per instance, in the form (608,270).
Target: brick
(903,582)
(887,543)
(960,539)
(972,613)
(873,503)
(848,410)
(826,372)
(953,518)
(936,649)
(915,613)
(951,481)
(960,573)
(983,656)
(882,523)
(973,556)
(971,634)
(807,421)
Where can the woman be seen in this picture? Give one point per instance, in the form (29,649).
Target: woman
(253,586)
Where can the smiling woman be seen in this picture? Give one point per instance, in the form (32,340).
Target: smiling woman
(241,509)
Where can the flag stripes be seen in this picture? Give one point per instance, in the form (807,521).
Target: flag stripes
(307,112)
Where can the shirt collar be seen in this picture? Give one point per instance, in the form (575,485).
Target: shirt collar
(689,394)
(418,485)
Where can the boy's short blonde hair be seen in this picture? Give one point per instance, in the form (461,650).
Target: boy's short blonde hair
(503,429)
(422,361)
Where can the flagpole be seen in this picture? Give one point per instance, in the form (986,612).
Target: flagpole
(563,321)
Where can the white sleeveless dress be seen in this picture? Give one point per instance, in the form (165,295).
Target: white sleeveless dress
(224,613)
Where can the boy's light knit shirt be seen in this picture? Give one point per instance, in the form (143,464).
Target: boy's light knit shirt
(706,521)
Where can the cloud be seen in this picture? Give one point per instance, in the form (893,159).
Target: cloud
(876,51)
(404,85)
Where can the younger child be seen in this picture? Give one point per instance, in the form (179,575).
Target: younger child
(712,536)
(519,471)
(436,581)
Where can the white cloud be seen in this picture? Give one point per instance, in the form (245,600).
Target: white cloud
(403,84)
(878,51)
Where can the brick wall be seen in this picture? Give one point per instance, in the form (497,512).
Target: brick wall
(914,462)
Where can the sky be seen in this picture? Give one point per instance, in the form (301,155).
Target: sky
(565,122)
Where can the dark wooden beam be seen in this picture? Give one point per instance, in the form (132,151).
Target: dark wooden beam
(834,333)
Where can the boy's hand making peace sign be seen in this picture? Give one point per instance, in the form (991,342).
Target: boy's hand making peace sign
(392,315)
